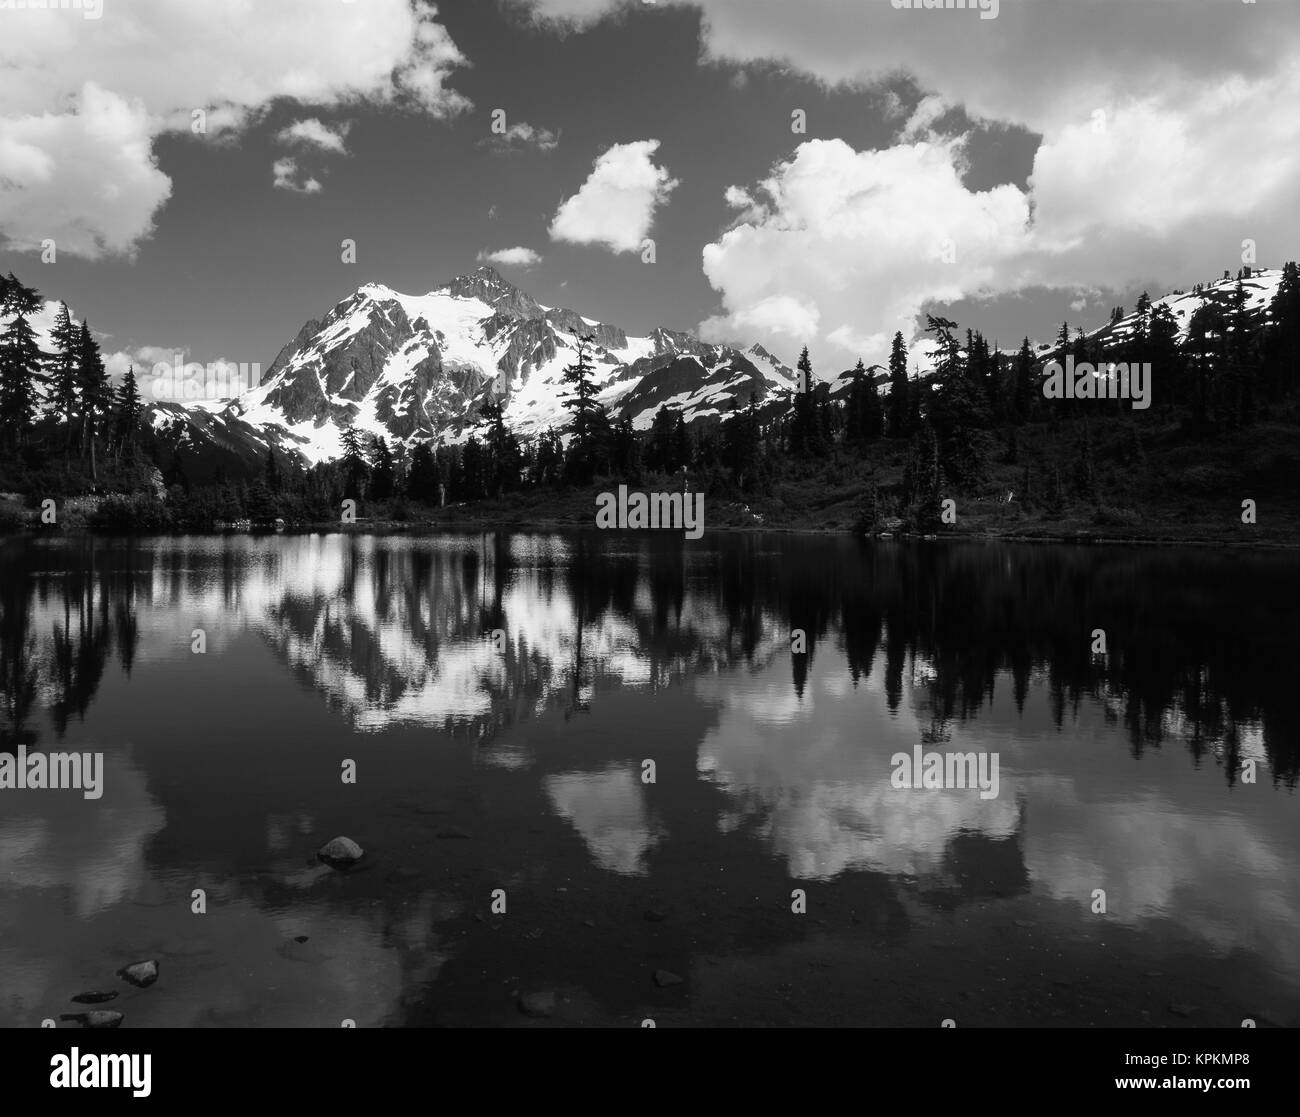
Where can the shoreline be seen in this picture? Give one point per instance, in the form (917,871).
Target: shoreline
(469,527)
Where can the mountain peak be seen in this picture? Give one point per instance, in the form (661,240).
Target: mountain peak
(489,286)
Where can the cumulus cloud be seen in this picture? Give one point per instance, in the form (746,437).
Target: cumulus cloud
(846,246)
(163,374)
(312,133)
(81,101)
(1197,149)
(86,179)
(286,177)
(522,136)
(616,206)
(518,257)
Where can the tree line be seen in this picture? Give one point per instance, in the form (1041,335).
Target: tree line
(1229,371)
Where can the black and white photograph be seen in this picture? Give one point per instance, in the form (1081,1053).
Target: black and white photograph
(649,514)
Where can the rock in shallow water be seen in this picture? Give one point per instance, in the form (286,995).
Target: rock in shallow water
(340,852)
(93,998)
(537,1004)
(140,974)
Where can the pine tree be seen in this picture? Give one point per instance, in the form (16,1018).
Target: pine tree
(422,480)
(21,361)
(900,408)
(95,393)
(383,472)
(1283,351)
(273,481)
(855,409)
(589,422)
(355,468)
(503,449)
(129,410)
(549,469)
(63,367)
(471,479)
(741,445)
(957,406)
(1023,382)
(803,433)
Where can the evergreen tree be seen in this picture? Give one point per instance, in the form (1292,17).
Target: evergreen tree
(272,477)
(624,450)
(957,407)
(589,422)
(21,361)
(382,469)
(667,445)
(1283,347)
(504,454)
(1023,382)
(355,468)
(900,407)
(63,367)
(129,410)
(741,451)
(95,392)
(472,476)
(864,416)
(1166,361)
(808,433)
(422,480)
(549,467)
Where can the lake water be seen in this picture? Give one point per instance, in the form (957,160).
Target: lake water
(1137,866)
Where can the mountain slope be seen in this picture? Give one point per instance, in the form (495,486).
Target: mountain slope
(415,368)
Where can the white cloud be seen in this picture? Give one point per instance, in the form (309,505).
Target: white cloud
(87,178)
(616,206)
(171,374)
(312,133)
(524,135)
(81,101)
(844,246)
(1198,153)
(518,257)
(286,177)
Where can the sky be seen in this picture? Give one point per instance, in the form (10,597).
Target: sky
(819,173)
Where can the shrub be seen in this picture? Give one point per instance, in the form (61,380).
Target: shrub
(130,513)
(12,517)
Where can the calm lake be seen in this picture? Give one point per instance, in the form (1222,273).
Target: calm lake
(499,696)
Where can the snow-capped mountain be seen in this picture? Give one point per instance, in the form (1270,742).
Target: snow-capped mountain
(1260,289)
(416,368)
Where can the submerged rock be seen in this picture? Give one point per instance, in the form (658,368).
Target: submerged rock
(665,978)
(140,974)
(539,1005)
(340,852)
(98,1018)
(92,998)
